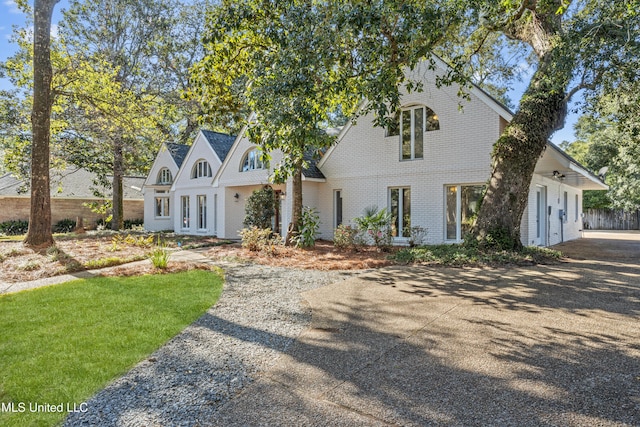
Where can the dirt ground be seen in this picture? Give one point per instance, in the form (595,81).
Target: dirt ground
(20,264)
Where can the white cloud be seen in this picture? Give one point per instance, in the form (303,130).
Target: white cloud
(13,7)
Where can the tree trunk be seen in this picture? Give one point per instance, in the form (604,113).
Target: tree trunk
(39,234)
(117,222)
(543,109)
(296,211)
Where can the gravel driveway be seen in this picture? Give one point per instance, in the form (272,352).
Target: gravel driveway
(257,318)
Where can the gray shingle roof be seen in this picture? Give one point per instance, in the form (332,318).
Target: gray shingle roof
(312,171)
(178,152)
(72,182)
(220,142)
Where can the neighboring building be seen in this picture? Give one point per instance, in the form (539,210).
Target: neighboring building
(71,190)
(428,171)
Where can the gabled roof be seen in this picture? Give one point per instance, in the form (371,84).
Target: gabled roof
(73,182)
(178,152)
(312,172)
(220,142)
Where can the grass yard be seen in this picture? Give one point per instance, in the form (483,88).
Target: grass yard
(60,345)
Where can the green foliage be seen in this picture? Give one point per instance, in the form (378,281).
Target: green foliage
(261,239)
(109,261)
(73,339)
(260,208)
(160,255)
(344,237)
(14,227)
(456,255)
(64,226)
(375,225)
(595,199)
(308,228)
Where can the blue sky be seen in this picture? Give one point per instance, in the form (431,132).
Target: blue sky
(10,15)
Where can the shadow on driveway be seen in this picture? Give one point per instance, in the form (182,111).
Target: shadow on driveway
(522,346)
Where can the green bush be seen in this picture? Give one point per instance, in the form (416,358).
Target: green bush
(308,228)
(376,226)
(260,208)
(344,237)
(261,239)
(64,226)
(14,227)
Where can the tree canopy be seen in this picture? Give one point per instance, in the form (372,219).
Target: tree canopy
(292,61)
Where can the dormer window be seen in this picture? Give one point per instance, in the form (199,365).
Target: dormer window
(252,161)
(412,122)
(201,169)
(164,177)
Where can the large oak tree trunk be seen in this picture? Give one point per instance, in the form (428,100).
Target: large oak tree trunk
(39,234)
(543,109)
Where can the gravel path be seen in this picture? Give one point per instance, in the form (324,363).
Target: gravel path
(186,381)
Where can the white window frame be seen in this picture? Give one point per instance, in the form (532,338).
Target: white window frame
(403,231)
(411,110)
(577,213)
(201,169)
(165,176)
(202,212)
(252,160)
(337,198)
(459,237)
(161,206)
(185,213)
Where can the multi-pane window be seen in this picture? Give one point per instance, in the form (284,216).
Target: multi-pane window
(411,125)
(462,204)
(202,212)
(186,221)
(400,208)
(162,204)
(164,176)
(201,169)
(252,161)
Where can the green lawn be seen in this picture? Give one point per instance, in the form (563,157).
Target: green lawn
(61,344)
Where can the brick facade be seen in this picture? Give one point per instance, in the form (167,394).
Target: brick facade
(17,208)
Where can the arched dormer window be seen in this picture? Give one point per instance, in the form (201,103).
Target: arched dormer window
(252,160)
(201,169)
(164,176)
(411,124)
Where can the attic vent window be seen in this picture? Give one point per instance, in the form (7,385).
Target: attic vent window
(165,176)
(252,161)
(201,169)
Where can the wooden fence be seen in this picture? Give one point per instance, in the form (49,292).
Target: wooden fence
(608,219)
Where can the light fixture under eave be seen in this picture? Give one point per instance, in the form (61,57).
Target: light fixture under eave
(236,196)
(558,175)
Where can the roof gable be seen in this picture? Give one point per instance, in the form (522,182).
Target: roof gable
(220,143)
(178,152)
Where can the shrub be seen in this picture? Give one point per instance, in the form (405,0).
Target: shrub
(160,257)
(261,239)
(417,235)
(14,227)
(260,208)
(130,224)
(344,237)
(64,226)
(376,226)
(308,228)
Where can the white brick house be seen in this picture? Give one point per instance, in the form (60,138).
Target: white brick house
(428,172)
